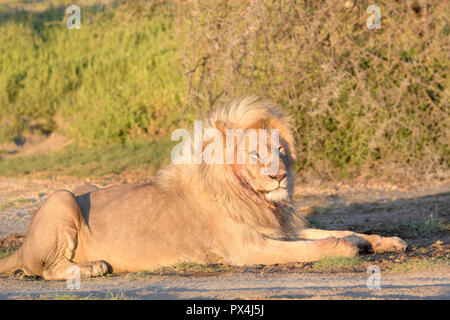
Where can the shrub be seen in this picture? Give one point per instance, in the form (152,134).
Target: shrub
(359,98)
(114,78)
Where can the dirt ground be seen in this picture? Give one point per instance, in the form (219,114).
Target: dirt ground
(233,285)
(419,213)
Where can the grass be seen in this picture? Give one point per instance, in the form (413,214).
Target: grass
(116,296)
(114,79)
(190,267)
(426,227)
(421,264)
(6,253)
(419,228)
(335,264)
(92,161)
(108,296)
(14,204)
(183,268)
(61,297)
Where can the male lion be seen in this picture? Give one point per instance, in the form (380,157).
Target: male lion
(201,213)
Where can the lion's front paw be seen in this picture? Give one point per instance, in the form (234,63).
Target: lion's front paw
(387,244)
(395,244)
(95,268)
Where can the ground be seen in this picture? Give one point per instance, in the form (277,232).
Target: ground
(419,213)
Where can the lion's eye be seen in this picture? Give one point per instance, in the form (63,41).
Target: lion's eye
(281,149)
(254,154)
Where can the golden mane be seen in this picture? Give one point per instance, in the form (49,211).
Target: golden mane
(217,186)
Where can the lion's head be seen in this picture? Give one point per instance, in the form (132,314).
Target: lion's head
(271,182)
(259,134)
(245,168)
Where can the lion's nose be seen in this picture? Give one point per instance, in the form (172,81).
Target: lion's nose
(279,177)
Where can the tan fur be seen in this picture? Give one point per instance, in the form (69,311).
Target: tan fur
(200,213)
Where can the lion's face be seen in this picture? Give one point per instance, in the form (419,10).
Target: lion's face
(276,183)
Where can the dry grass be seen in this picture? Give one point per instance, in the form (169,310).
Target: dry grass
(336,264)
(56,296)
(184,269)
(360,98)
(6,253)
(422,264)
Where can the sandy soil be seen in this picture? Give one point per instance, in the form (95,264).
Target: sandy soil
(380,208)
(238,286)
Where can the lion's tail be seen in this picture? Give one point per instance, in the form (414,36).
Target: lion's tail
(10,263)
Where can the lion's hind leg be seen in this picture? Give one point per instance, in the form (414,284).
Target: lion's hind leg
(65,268)
(52,240)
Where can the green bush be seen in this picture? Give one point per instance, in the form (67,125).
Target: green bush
(361,100)
(93,161)
(114,78)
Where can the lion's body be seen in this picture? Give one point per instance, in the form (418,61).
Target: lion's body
(150,228)
(198,213)
(138,227)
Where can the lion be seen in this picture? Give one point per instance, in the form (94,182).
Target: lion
(191,212)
